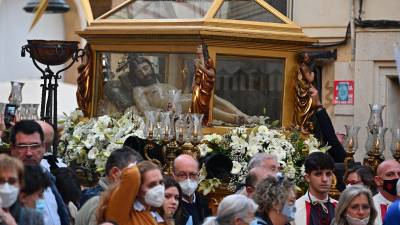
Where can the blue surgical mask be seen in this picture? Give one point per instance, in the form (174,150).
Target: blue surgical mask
(253,222)
(289,211)
(40,205)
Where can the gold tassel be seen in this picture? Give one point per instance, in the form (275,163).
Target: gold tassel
(39,12)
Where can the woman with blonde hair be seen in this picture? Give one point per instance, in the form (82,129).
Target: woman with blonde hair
(355,207)
(130,202)
(11,182)
(234,209)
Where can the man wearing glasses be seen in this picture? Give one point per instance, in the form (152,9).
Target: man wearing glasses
(27,144)
(194,206)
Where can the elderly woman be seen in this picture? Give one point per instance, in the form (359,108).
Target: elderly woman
(276,200)
(234,209)
(11,181)
(355,207)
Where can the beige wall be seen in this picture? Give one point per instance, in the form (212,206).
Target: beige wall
(324,19)
(381,10)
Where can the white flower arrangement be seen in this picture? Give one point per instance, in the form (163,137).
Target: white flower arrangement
(89,142)
(240,144)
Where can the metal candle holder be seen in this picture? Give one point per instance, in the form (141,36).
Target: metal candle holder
(395,144)
(374,156)
(349,160)
(351,144)
(51,53)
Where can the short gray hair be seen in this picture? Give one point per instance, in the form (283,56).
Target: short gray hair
(345,199)
(259,158)
(272,191)
(231,207)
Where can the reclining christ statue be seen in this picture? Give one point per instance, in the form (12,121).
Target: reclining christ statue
(147,93)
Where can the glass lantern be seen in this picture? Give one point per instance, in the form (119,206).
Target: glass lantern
(351,141)
(150,122)
(16,93)
(166,125)
(395,144)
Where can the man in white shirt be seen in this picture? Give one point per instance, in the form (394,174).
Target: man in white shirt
(316,207)
(387,175)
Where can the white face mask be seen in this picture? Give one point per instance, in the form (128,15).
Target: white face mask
(356,221)
(155,196)
(8,195)
(188,186)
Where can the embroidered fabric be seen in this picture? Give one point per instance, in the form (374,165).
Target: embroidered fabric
(322,211)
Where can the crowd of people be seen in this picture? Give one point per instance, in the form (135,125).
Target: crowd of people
(36,189)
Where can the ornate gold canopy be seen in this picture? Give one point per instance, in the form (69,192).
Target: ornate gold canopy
(235,31)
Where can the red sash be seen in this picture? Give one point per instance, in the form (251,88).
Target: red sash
(308,211)
(383,211)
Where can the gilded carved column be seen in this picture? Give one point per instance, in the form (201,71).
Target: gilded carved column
(84,81)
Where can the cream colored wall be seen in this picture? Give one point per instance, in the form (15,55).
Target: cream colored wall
(373,68)
(324,19)
(381,10)
(327,19)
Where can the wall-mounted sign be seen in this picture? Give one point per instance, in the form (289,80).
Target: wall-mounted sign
(343,93)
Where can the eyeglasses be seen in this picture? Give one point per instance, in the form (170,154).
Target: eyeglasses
(24,147)
(354,182)
(183,175)
(360,207)
(11,180)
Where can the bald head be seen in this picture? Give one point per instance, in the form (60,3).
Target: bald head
(386,166)
(48,132)
(186,167)
(387,175)
(184,160)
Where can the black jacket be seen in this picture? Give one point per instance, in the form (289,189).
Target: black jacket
(336,151)
(201,204)
(263,219)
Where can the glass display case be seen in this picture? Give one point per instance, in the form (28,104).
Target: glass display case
(142,49)
(128,77)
